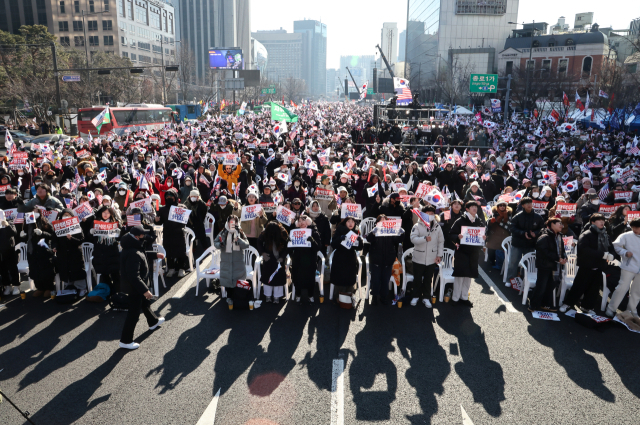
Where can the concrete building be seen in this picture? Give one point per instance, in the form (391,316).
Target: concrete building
(578,56)
(259,55)
(559,27)
(361,67)
(142,30)
(389,46)
(205,24)
(465,33)
(285,52)
(402,46)
(314,54)
(634,27)
(583,20)
(332,80)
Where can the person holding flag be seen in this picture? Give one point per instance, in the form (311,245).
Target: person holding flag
(382,255)
(428,248)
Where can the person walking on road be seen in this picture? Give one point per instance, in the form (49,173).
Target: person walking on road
(135,273)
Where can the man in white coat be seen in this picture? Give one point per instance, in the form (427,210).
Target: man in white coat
(627,245)
(428,248)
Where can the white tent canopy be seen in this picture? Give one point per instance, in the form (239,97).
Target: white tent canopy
(461,110)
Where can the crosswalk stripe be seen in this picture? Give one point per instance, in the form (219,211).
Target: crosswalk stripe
(209,415)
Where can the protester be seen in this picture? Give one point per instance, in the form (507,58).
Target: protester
(272,246)
(69,258)
(172,231)
(627,246)
(304,260)
(525,229)
(428,249)
(550,257)
(106,254)
(383,249)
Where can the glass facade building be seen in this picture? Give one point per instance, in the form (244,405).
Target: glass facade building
(423,32)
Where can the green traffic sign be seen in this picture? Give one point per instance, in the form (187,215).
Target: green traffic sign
(483,83)
(270,90)
(369,91)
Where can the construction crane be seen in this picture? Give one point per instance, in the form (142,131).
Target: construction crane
(339,85)
(386,62)
(354,81)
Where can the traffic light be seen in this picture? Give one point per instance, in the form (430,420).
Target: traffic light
(136,70)
(172,68)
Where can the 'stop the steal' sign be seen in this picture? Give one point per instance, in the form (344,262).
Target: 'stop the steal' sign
(388,227)
(472,236)
(249,212)
(351,210)
(179,214)
(350,240)
(298,238)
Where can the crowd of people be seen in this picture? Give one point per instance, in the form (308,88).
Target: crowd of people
(554,190)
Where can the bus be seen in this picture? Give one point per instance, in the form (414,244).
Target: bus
(190,111)
(134,117)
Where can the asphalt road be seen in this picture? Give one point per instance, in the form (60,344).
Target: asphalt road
(281,364)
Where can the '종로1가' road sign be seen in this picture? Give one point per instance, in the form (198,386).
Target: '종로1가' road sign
(483,83)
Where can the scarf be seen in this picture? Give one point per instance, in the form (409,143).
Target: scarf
(313,214)
(471,218)
(603,239)
(230,246)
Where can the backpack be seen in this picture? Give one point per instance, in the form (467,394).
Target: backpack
(119,302)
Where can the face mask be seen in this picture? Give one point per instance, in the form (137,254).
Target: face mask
(595,201)
(535,194)
(193,198)
(169,184)
(122,192)
(20,173)
(36,215)
(107,204)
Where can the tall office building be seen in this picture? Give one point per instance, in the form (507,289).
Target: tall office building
(466,33)
(389,45)
(314,54)
(402,46)
(204,24)
(285,53)
(137,29)
(332,80)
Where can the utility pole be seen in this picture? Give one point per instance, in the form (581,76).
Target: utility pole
(506,100)
(55,74)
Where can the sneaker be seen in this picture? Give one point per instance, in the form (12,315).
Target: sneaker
(7,291)
(181,273)
(414,302)
(171,272)
(298,300)
(507,284)
(466,303)
(131,346)
(160,322)
(564,308)
(427,303)
(82,293)
(609,312)
(276,300)
(16,290)
(269,299)
(311,300)
(257,304)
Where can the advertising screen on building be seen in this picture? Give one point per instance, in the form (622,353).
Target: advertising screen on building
(226,59)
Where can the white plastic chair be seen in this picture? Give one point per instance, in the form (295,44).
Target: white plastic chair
(445,274)
(23,263)
(495,198)
(159,234)
(568,276)
(158,271)
(209,226)
(406,277)
(605,289)
(255,271)
(506,246)
(528,263)
(319,279)
(189,237)
(392,281)
(87,255)
(215,264)
(359,277)
(366,226)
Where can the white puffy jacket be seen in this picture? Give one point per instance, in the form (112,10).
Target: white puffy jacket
(426,252)
(628,242)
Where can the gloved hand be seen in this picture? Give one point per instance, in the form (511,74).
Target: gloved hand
(23,234)
(37,232)
(4,223)
(343,237)
(92,231)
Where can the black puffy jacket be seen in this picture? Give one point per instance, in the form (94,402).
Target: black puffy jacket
(134,270)
(588,253)
(547,250)
(523,223)
(383,250)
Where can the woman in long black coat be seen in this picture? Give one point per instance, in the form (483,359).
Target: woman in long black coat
(173,235)
(196,222)
(106,254)
(304,260)
(69,258)
(40,256)
(465,260)
(344,267)
(272,246)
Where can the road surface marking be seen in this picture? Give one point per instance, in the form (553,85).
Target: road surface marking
(209,415)
(497,291)
(466,420)
(187,285)
(337,392)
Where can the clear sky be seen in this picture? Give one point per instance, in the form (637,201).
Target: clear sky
(353,26)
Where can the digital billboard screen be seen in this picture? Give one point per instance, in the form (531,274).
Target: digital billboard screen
(226,59)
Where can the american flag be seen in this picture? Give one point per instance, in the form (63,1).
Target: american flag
(150,173)
(603,192)
(404,94)
(553,177)
(133,220)
(19,219)
(429,167)
(633,150)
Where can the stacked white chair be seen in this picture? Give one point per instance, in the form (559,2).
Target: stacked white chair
(445,274)
(189,237)
(23,263)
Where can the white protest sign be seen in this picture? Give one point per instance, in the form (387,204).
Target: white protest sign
(350,240)
(229,159)
(324,194)
(565,209)
(388,227)
(83,210)
(268,207)
(284,215)
(67,226)
(545,315)
(472,235)
(298,238)
(10,214)
(351,210)
(106,229)
(143,204)
(249,212)
(50,215)
(179,214)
